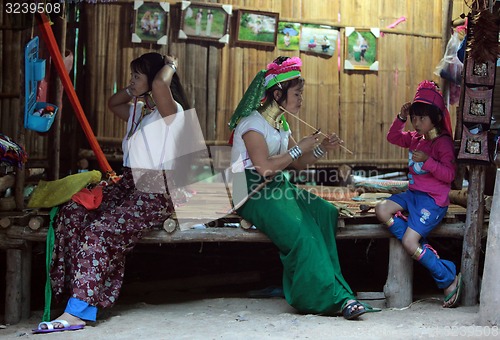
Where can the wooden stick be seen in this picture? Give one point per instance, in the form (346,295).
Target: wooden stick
(318,130)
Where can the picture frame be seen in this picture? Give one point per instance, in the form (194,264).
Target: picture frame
(256,28)
(205,22)
(361,49)
(319,39)
(288,36)
(150,22)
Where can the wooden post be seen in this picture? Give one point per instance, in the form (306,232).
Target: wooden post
(13,279)
(26,281)
(472,235)
(398,288)
(490,290)
(447,6)
(59,90)
(18,284)
(20,177)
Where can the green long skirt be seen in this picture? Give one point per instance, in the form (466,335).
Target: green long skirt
(302,226)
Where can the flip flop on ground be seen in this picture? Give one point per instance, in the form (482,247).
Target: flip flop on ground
(449,301)
(50,327)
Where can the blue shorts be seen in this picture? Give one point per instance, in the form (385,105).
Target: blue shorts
(423,212)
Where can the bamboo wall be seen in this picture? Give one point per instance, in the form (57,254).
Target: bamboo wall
(358,105)
(10,75)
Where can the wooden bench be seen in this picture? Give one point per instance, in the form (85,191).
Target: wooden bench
(17,239)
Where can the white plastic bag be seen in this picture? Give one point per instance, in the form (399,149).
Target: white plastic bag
(450,67)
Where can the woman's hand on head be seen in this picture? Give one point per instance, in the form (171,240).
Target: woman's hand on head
(162,94)
(171,60)
(331,142)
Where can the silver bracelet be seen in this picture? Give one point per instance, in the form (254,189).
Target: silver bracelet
(295,152)
(129,93)
(318,152)
(172,66)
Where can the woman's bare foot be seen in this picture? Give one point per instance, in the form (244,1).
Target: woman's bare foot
(71,319)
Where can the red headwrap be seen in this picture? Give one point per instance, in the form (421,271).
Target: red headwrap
(428,93)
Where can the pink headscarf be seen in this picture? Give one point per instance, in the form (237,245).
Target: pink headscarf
(278,73)
(428,93)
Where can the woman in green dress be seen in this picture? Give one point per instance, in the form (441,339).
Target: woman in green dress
(302,225)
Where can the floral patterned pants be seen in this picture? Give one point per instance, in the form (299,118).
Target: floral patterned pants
(90,246)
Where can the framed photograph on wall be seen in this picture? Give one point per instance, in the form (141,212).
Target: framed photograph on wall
(319,39)
(202,21)
(288,36)
(150,22)
(256,28)
(361,49)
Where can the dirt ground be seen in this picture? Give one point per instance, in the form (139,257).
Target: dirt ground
(197,291)
(201,316)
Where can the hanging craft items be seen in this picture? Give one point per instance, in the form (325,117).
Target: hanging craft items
(482,52)
(483,45)
(38,116)
(477,105)
(50,42)
(474,145)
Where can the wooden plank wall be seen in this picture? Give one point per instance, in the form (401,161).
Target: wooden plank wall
(359,106)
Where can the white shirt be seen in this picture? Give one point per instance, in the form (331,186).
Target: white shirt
(277,141)
(153,143)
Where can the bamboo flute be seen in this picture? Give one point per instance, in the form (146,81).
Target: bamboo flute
(318,130)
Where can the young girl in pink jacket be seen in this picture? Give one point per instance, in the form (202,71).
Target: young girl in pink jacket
(431,164)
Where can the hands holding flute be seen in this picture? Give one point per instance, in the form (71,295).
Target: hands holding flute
(329,142)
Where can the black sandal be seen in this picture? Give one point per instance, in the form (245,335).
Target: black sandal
(353,310)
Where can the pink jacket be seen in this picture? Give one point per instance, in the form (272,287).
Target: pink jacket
(434,176)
